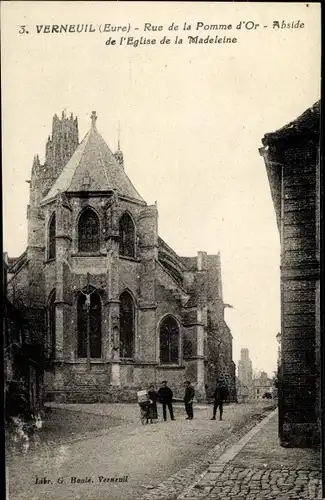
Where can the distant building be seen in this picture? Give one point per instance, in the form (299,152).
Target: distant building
(245,369)
(261,385)
(292,159)
(113,306)
(275,381)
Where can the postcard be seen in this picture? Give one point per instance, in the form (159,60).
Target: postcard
(161,201)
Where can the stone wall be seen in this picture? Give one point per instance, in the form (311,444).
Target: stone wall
(292,161)
(298,284)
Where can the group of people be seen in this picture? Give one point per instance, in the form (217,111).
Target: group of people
(165,396)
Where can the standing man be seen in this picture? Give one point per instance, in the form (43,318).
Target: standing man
(188,399)
(153,396)
(220,395)
(165,395)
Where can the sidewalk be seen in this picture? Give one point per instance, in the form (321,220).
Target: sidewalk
(257,468)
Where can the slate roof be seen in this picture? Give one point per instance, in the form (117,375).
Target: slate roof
(306,124)
(94,161)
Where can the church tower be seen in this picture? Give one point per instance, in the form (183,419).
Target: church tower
(59,147)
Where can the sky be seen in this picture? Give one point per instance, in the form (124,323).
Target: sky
(191,116)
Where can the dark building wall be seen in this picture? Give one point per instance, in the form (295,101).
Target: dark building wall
(291,156)
(23,360)
(298,292)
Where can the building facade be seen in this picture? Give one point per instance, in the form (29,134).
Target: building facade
(292,160)
(261,385)
(114,307)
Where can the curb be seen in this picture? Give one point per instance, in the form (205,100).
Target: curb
(218,466)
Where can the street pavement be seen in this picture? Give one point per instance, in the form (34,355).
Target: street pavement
(257,468)
(124,459)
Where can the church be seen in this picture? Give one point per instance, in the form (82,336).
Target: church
(112,305)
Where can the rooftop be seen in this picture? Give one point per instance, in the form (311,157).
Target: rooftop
(307,124)
(93,167)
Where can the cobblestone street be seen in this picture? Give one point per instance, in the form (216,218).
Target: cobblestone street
(257,468)
(158,460)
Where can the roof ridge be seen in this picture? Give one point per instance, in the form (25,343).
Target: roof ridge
(98,136)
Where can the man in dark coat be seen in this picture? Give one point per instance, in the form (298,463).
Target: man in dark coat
(165,396)
(220,395)
(153,396)
(188,399)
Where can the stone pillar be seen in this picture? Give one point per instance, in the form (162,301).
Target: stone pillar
(35,299)
(62,306)
(113,302)
(200,387)
(106,347)
(115,342)
(200,334)
(147,321)
(63,338)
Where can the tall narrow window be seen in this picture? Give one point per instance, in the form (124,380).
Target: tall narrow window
(88,231)
(89,325)
(126,326)
(127,236)
(51,251)
(169,341)
(50,344)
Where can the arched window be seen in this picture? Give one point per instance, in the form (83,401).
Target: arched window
(127,236)
(169,340)
(126,326)
(51,246)
(50,344)
(88,231)
(89,325)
